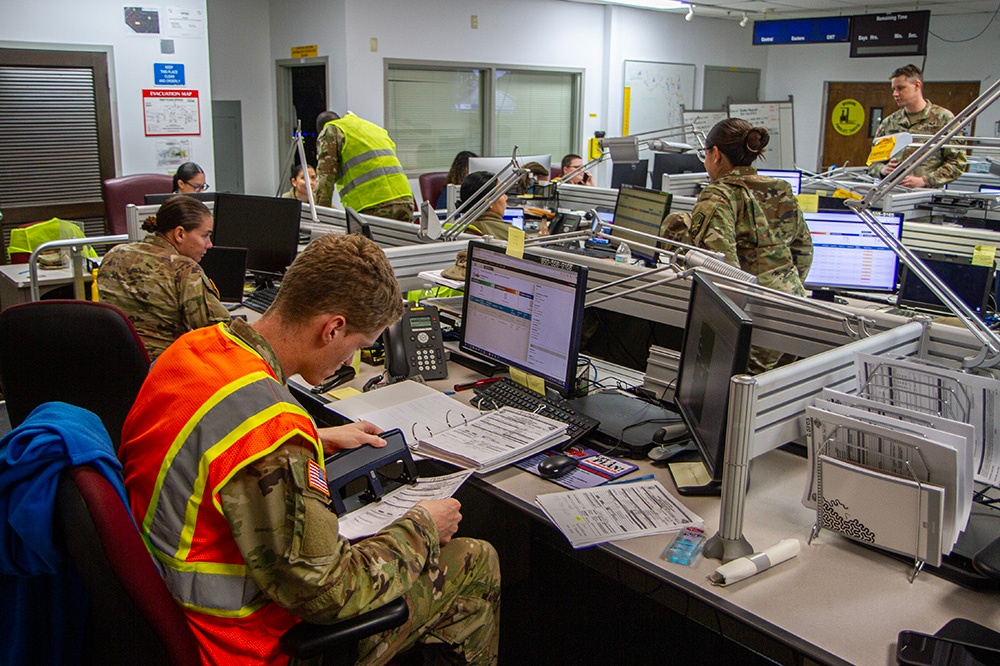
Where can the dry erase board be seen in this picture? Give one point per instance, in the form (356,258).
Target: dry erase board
(654,94)
(777,118)
(702,120)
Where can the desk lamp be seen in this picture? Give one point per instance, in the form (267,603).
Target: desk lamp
(296,146)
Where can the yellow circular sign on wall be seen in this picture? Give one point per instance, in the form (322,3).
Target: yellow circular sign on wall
(848,117)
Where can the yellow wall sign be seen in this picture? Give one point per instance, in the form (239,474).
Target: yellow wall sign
(307,51)
(848,117)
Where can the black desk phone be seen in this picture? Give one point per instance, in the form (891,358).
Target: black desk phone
(413,345)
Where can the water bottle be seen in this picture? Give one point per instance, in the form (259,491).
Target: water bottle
(623,254)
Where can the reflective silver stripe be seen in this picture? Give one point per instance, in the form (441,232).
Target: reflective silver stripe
(212,591)
(760,561)
(367,155)
(175,492)
(370,175)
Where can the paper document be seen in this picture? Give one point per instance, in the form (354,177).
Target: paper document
(373,517)
(612,513)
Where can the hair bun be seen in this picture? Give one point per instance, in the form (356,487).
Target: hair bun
(149,224)
(756,139)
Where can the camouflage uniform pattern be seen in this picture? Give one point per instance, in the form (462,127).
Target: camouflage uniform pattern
(757,224)
(329,145)
(940,167)
(288,534)
(163,293)
(491,224)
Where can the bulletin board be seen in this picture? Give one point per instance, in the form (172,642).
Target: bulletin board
(654,95)
(777,118)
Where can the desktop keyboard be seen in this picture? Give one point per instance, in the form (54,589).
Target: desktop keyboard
(507,393)
(261,299)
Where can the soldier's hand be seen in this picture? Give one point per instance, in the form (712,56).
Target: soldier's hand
(446,515)
(913,181)
(889,167)
(350,436)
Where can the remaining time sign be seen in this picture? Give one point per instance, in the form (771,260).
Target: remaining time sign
(878,35)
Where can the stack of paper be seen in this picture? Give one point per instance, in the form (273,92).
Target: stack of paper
(612,513)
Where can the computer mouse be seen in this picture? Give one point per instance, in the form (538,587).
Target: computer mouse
(557,465)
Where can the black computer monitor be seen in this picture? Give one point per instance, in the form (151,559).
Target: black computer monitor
(157,199)
(226,267)
(674,163)
(629,173)
(355,225)
(639,209)
(716,347)
(972,283)
(848,256)
(525,312)
(267,226)
(793,178)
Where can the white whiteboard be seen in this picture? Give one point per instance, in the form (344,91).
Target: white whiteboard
(702,120)
(776,117)
(654,95)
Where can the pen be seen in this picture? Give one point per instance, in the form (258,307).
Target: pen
(480,382)
(644,477)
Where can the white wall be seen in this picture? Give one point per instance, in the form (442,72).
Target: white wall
(802,71)
(100,23)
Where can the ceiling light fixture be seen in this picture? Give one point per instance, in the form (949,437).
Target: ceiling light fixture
(743,21)
(690,14)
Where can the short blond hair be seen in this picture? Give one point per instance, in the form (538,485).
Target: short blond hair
(343,274)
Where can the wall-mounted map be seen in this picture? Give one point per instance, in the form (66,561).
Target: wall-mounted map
(654,95)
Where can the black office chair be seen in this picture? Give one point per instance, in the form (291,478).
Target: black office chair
(78,352)
(134,619)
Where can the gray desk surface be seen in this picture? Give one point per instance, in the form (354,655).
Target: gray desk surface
(15,284)
(836,602)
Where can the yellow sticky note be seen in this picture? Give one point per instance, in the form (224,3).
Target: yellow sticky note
(841,193)
(809,203)
(519,377)
(515,242)
(983,255)
(689,474)
(536,384)
(343,392)
(882,150)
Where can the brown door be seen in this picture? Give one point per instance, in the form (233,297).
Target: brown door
(854,110)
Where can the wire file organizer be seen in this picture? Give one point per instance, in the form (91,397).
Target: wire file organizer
(927,394)
(885,470)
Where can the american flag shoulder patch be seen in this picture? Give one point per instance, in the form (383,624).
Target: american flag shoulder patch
(317,479)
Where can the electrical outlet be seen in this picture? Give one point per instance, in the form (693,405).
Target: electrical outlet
(475,22)
(373,44)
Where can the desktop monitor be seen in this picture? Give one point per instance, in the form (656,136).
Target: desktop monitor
(267,226)
(157,199)
(639,209)
(970,282)
(673,164)
(793,178)
(514,216)
(989,189)
(226,267)
(356,225)
(605,221)
(495,164)
(716,346)
(525,312)
(629,173)
(848,256)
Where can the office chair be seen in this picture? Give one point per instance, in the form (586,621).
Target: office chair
(79,352)
(134,618)
(119,192)
(431,185)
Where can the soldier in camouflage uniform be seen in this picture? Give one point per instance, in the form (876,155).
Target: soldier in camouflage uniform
(264,547)
(394,203)
(754,221)
(917,115)
(158,283)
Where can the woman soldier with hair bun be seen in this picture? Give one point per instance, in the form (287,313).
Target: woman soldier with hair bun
(753,220)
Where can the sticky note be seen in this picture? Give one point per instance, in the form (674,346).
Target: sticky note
(689,474)
(841,193)
(343,392)
(809,203)
(515,243)
(983,255)
(536,384)
(519,377)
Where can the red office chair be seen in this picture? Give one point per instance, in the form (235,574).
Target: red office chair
(555,172)
(431,185)
(133,617)
(119,192)
(79,352)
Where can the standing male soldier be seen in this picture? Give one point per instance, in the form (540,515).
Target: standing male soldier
(225,476)
(360,158)
(918,116)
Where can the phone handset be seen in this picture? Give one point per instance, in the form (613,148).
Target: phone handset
(413,345)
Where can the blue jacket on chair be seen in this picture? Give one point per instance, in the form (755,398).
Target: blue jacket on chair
(42,603)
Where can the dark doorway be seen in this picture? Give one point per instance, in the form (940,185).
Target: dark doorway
(309,100)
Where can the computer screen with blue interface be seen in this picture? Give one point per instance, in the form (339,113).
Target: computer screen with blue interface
(989,189)
(605,220)
(847,255)
(793,178)
(525,312)
(514,216)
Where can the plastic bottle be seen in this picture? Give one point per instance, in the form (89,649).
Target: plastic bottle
(623,254)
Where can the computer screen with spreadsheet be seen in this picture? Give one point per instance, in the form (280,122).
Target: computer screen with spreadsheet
(848,256)
(793,178)
(525,312)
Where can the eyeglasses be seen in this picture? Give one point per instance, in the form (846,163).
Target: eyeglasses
(702,152)
(198,188)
